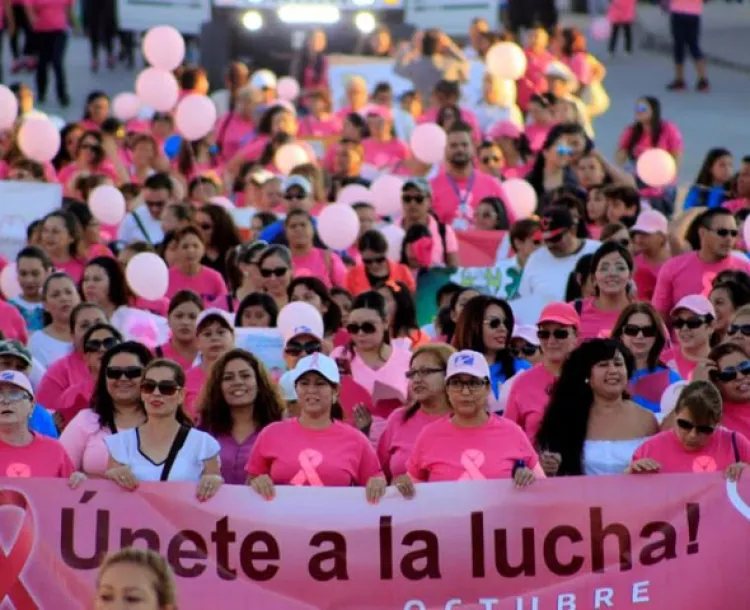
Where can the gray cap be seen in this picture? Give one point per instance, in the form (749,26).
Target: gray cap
(12,347)
(422,185)
(298,181)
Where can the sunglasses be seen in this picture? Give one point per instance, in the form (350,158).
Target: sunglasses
(491,159)
(295,348)
(206,226)
(299,197)
(368,328)
(689,427)
(632,330)
(376,260)
(156,204)
(526,350)
(730,373)
(129,372)
(565,151)
(641,108)
(725,232)
(277,271)
(412,198)
(494,323)
(624,242)
(558,333)
(98,345)
(166,388)
(739,328)
(691,323)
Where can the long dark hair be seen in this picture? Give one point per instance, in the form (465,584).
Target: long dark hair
(332,316)
(448,326)
(257,299)
(225,234)
(101,401)
(216,414)
(655,127)
(565,422)
(405,318)
(660,341)
(118,293)
(375,302)
(74,230)
(179,378)
(704,173)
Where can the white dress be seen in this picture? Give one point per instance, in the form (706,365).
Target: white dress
(609,457)
(124,447)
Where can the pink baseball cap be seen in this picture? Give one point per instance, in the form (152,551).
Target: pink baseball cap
(467,362)
(17,379)
(505,129)
(379,111)
(696,303)
(651,221)
(561,313)
(527,332)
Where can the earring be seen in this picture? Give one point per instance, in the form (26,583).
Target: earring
(586,381)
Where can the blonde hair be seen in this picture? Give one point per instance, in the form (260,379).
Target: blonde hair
(164,583)
(441,351)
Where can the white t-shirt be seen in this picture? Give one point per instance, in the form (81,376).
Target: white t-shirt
(47,350)
(129,230)
(124,447)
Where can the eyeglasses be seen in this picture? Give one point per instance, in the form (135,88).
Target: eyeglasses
(730,373)
(98,345)
(632,330)
(7,398)
(166,388)
(739,328)
(494,323)
(205,226)
(295,348)
(490,159)
(457,385)
(412,198)
(689,427)
(525,350)
(298,197)
(558,333)
(277,271)
(725,232)
(691,323)
(414,373)
(129,372)
(376,260)
(368,328)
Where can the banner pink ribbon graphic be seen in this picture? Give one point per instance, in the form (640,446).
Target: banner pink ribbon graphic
(472,460)
(309,460)
(12,564)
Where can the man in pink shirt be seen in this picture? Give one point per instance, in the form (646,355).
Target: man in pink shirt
(458,190)
(694,272)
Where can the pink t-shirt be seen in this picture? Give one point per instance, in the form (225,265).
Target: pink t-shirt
(670,139)
(536,135)
(67,386)
(581,67)
(687,274)
(719,453)
(51,15)
(528,398)
(684,366)
(208,283)
(310,127)
(392,373)
(621,11)
(735,205)
(380,154)
(12,324)
(396,442)
(168,351)
(73,267)
(234,133)
(195,377)
(449,193)
(83,439)
(42,457)
(736,416)
(68,174)
(337,456)
(644,276)
(444,451)
(325,265)
(596,323)
(686,7)
(533,81)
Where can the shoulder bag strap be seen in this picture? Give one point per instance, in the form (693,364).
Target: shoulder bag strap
(179,441)
(142,228)
(735,448)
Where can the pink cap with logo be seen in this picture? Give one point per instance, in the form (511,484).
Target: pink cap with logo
(527,332)
(467,362)
(17,379)
(696,303)
(561,313)
(651,221)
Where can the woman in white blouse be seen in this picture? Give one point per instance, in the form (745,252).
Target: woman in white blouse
(166,447)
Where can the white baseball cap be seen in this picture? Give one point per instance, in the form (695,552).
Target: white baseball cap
(17,379)
(527,332)
(217,314)
(263,79)
(318,363)
(303,329)
(467,362)
(286,383)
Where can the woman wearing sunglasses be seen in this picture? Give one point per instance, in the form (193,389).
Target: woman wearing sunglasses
(693,322)
(612,267)
(552,167)
(375,268)
(696,443)
(115,406)
(243,275)
(316,449)
(166,447)
(275,264)
(189,273)
(524,343)
(738,330)
(471,444)
(237,402)
(727,296)
(642,331)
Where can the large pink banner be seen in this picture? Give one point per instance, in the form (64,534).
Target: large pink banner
(659,542)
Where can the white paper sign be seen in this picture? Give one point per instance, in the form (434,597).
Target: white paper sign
(266,344)
(21,203)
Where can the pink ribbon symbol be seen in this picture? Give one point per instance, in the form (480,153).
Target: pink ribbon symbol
(472,460)
(12,564)
(309,460)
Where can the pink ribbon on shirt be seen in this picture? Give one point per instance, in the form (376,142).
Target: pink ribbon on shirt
(309,460)
(472,460)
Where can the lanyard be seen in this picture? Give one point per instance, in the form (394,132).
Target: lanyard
(463,198)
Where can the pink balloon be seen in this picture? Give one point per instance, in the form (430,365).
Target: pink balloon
(428,143)
(296,315)
(39,139)
(195,117)
(386,194)
(222,202)
(125,106)
(158,89)
(354,193)
(107,204)
(148,276)
(338,226)
(601,28)
(656,167)
(506,60)
(520,197)
(9,282)
(164,47)
(290,156)
(8,108)
(287,89)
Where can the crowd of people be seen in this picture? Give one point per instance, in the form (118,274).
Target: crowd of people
(627,349)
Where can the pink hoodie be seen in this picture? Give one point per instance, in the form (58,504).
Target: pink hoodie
(67,386)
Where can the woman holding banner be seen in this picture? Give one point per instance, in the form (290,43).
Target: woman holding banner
(317,449)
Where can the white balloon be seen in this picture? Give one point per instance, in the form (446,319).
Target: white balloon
(8,108)
(288,89)
(125,106)
(148,276)
(428,142)
(39,139)
(158,89)
(107,204)
(223,202)
(520,197)
(354,193)
(506,60)
(164,47)
(386,194)
(338,226)
(297,314)
(195,117)
(394,235)
(9,282)
(656,167)
(290,156)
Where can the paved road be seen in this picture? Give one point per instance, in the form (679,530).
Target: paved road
(716,119)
